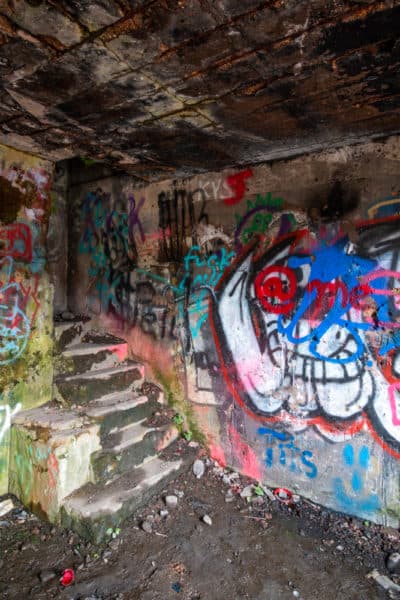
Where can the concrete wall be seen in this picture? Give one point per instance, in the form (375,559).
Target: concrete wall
(25,293)
(266,302)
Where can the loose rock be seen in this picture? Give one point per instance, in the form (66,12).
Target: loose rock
(46,576)
(147,526)
(171,501)
(393,563)
(6,506)
(198,468)
(247,492)
(207,520)
(383,581)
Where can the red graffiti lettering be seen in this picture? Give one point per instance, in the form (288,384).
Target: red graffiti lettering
(16,241)
(326,297)
(275,288)
(237,184)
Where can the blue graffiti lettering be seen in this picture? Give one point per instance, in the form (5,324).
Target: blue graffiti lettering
(289,454)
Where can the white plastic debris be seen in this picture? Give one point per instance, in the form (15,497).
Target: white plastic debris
(247,492)
(198,468)
(171,501)
(383,581)
(6,506)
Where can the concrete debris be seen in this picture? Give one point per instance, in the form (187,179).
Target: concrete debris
(147,526)
(383,581)
(171,501)
(6,506)
(247,492)
(67,315)
(269,494)
(46,576)
(229,496)
(198,468)
(393,563)
(207,520)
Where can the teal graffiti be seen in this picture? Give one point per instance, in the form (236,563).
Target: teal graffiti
(201,274)
(14,323)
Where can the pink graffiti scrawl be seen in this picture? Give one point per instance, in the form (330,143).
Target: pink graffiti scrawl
(393,404)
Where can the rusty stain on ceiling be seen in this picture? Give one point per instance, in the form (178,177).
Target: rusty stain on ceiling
(163,87)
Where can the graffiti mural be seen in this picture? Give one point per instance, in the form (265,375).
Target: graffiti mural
(287,454)
(110,239)
(349,491)
(308,332)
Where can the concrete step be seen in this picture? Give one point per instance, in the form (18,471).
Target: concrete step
(84,387)
(50,456)
(119,409)
(95,508)
(126,447)
(88,356)
(69,332)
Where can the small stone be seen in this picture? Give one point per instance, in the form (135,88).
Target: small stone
(198,468)
(229,497)
(113,544)
(46,576)
(258,500)
(207,520)
(247,492)
(67,315)
(339,548)
(193,444)
(393,563)
(6,506)
(150,518)
(164,513)
(147,526)
(296,594)
(171,501)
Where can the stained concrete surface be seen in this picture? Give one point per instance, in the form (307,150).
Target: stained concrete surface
(174,87)
(259,550)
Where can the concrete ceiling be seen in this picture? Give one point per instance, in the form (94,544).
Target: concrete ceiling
(174,87)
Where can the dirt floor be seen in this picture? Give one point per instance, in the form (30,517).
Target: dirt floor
(255,548)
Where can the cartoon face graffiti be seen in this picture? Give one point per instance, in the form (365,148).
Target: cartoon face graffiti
(308,333)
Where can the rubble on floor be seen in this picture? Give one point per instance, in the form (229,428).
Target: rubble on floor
(215,537)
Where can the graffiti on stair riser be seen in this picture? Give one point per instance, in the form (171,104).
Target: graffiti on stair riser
(308,333)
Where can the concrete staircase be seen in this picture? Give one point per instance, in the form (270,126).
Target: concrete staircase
(91,457)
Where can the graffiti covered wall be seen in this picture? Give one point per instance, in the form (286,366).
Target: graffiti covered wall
(25,293)
(267,302)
